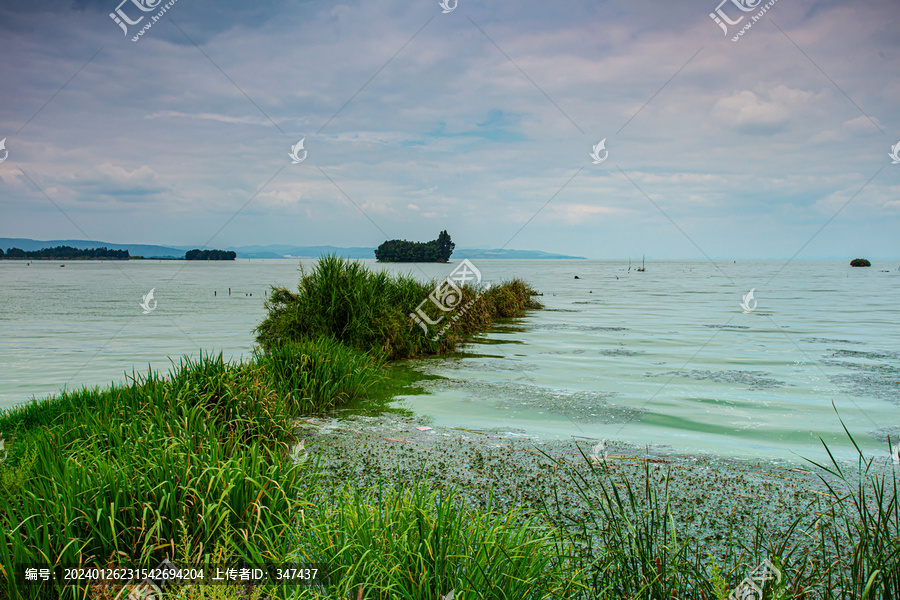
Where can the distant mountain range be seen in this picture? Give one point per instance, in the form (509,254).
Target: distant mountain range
(270,251)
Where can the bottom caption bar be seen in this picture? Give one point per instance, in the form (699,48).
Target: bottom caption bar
(147,583)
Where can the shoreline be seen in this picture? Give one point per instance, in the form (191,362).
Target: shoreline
(710,494)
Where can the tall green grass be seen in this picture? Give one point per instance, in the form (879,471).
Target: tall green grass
(115,475)
(628,544)
(317,375)
(369,311)
(413,544)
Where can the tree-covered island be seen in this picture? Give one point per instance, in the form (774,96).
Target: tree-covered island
(67,253)
(438,250)
(197,254)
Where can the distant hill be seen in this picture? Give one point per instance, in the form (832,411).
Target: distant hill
(269,251)
(282,251)
(530,254)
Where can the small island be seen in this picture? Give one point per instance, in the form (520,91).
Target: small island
(438,250)
(66,253)
(860,262)
(197,254)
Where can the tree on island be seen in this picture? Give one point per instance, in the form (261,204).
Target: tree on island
(197,254)
(68,253)
(438,250)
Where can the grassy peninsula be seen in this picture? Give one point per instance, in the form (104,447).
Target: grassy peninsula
(206,465)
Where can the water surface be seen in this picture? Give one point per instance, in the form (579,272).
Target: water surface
(664,357)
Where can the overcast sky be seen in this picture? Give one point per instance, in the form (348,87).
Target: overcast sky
(479,121)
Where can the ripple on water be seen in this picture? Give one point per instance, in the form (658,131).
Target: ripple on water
(582,407)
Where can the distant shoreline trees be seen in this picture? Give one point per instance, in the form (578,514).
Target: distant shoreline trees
(197,254)
(438,250)
(66,253)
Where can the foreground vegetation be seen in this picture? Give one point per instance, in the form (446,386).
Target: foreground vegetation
(202,466)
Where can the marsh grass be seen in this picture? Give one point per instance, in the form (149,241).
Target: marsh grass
(369,311)
(112,475)
(629,545)
(318,375)
(411,543)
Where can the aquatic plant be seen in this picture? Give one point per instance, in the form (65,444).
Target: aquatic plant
(629,544)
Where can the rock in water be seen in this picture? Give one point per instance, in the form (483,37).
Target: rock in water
(860,262)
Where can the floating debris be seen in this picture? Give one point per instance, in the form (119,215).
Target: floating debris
(756,380)
(619,352)
(582,407)
(817,340)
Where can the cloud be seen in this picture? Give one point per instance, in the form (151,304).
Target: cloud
(750,112)
(437,127)
(114,183)
(173,114)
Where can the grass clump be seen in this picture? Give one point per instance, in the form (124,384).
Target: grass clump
(98,476)
(410,543)
(318,375)
(368,311)
(627,543)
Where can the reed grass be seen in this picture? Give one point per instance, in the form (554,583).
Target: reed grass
(628,544)
(102,475)
(414,544)
(369,311)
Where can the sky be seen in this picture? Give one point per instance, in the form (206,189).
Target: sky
(480,120)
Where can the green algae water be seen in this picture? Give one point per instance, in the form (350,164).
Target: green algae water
(666,358)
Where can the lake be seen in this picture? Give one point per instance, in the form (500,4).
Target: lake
(664,358)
